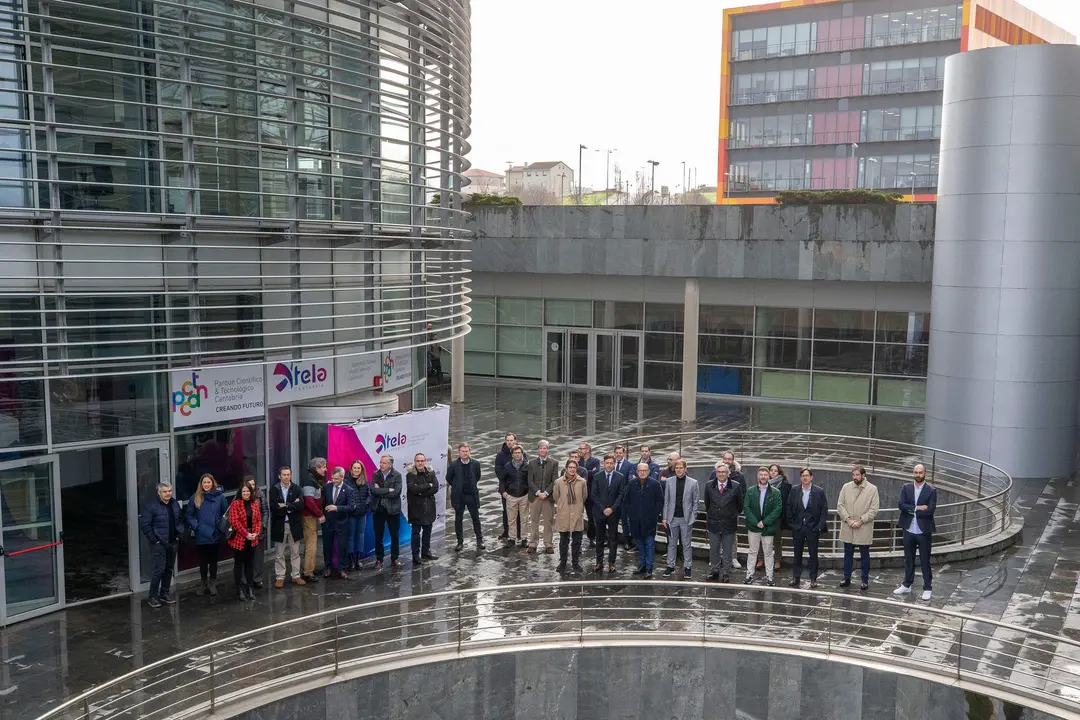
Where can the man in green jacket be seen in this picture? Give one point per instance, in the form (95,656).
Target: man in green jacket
(762,507)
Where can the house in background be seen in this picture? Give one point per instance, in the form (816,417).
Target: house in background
(485,181)
(541,180)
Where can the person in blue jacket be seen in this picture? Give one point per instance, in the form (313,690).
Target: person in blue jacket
(162,525)
(643,505)
(358,483)
(203,515)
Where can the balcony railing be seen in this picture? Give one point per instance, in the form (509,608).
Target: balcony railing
(864,42)
(828,92)
(902,182)
(1031,668)
(838,137)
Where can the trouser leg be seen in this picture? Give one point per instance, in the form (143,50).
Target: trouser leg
(924,559)
(311,539)
(728,541)
(849,560)
(910,544)
(473,506)
(812,544)
(767,548)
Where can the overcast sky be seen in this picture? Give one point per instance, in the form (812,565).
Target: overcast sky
(637,75)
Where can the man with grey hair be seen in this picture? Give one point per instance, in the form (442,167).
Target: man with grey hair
(312,513)
(543,471)
(161,525)
(339,500)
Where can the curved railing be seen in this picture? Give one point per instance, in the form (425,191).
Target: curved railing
(982,513)
(1013,663)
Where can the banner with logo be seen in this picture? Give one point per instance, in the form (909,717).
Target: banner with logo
(216,394)
(401,437)
(292,380)
(397,368)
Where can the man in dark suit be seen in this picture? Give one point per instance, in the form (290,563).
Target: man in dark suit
(723,506)
(463,477)
(918,500)
(588,466)
(808,513)
(606,495)
(338,504)
(502,459)
(624,467)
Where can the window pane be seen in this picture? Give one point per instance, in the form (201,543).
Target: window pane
(523,340)
(724,350)
(841,388)
(843,356)
(572,313)
(520,311)
(777,353)
(663,376)
(519,366)
(901,327)
(723,380)
(483,310)
(664,346)
(844,324)
(901,360)
(663,317)
(479,363)
(726,320)
(482,338)
(896,392)
(784,322)
(774,384)
(617,315)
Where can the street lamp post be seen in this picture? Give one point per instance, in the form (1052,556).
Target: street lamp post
(607,171)
(562,187)
(652,182)
(913,177)
(580,149)
(684,181)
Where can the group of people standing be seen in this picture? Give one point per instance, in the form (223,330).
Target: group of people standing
(595,497)
(587,497)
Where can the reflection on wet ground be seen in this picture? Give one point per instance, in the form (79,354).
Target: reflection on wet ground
(1033,584)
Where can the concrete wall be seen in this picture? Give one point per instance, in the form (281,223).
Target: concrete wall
(1004,366)
(617,683)
(887,243)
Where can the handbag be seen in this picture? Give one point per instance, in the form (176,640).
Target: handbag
(224,526)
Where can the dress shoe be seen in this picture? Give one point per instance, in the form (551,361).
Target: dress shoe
(396,565)
(846,582)
(550,551)
(712,577)
(480,544)
(576,568)
(611,568)
(794,583)
(257,584)
(326,573)
(598,567)
(647,576)
(640,570)
(417,561)
(279,583)
(299,581)
(813,585)
(343,575)
(864,586)
(725,579)
(561,566)
(459,546)
(531,550)
(378,564)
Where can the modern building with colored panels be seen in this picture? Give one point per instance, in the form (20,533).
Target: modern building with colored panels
(833,95)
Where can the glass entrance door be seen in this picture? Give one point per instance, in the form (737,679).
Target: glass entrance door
(580,357)
(147,465)
(31,539)
(629,361)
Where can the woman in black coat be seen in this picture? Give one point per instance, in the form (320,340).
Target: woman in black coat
(778,479)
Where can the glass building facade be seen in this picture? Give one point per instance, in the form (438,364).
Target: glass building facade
(211,186)
(851,357)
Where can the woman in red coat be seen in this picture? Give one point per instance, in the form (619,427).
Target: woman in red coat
(246,523)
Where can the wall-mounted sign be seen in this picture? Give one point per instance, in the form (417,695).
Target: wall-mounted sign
(216,394)
(291,380)
(358,372)
(397,368)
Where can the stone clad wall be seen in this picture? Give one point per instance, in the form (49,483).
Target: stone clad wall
(869,243)
(626,682)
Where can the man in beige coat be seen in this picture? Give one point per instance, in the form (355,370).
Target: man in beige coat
(570,494)
(857,507)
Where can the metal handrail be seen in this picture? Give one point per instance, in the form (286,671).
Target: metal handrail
(984,511)
(998,659)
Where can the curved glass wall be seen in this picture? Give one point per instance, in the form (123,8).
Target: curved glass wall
(189,183)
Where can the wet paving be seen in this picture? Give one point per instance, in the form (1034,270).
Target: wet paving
(1032,584)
